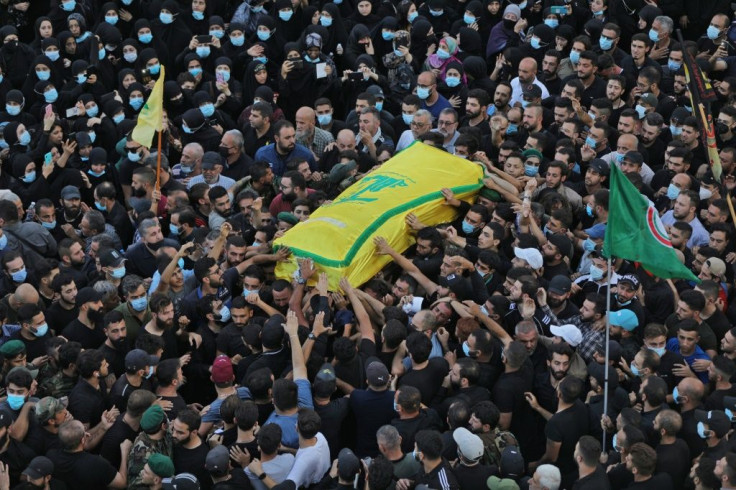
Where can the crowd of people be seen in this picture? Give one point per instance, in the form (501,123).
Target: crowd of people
(147,343)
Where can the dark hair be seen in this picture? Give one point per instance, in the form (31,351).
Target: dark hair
(285,394)
(269,438)
(308,423)
(487,412)
(189,417)
(419,347)
(88,362)
(246,415)
(429,442)
(166,371)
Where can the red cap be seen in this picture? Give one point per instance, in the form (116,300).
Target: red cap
(222,370)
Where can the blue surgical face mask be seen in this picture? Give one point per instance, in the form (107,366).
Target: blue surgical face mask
(673,65)
(139,304)
(264,35)
(596,274)
(388,35)
(52,55)
(100,206)
(713,32)
(118,273)
(50,96)
(207,110)
(466,349)
(598,12)
(19,276)
(436,13)
(3,242)
(224,314)
(468,19)
(49,226)
(672,192)
(522,5)
(613,443)
(676,395)
(701,425)
(173,229)
(25,140)
(237,40)
(653,35)
(525,103)
(590,142)
(225,74)
(149,373)
(412,16)
(452,81)
(467,227)
(407,118)
(675,130)
(155,69)
(443,54)
(641,111)
(258,9)
(635,370)
(218,33)
(324,119)
(660,352)
(588,246)
(83,37)
(530,170)
(284,15)
(574,57)
(81,78)
(423,92)
(68,6)
(622,303)
(187,129)
(261,59)
(111,19)
(512,128)
(96,174)
(398,52)
(197,15)
(101,53)
(134,156)
(93,111)
(553,23)
(118,118)
(589,210)
(605,43)
(309,59)
(92,136)
(43,74)
(145,38)
(136,102)
(12,110)
(195,71)
(379,106)
(203,51)
(41,330)
(16,401)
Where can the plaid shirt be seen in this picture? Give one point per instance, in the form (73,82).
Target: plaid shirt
(321,139)
(591,339)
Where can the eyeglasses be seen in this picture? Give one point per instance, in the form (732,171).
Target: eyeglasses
(417,124)
(445,123)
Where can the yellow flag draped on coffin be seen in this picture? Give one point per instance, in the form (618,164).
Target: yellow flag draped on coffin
(339,236)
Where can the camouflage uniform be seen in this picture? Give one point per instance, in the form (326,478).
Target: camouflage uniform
(143,447)
(58,385)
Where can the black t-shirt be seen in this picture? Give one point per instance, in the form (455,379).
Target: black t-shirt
(426,419)
(122,389)
(77,331)
(230,341)
(247,447)
(566,427)
(427,380)
(675,460)
(372,409)
(34,348)
(59,317)
(473,477)
(86,403)
(41,440)
(178,404)
(333,415)
(508,395)
(114,358)
(661,481)
(595,481)
(192,461)
(113,438)
(82,470)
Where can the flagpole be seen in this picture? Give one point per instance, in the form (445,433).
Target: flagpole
(158,163)
(605,340)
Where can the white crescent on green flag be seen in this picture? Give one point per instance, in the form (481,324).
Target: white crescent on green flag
(151,117)
(635,232)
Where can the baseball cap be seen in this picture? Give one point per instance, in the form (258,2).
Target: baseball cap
(532,92)
(569,333)
(111,258)
(39,467)
(496,483)
(625,319)
(152,418)
(716,266)
(679,115)
(717,421)
(222,370)
(341,171)
(70,192)
(468,443)
(182,481)
(210,159)
(563,244)
(375,91)
(217,459)
(532,256)
(560,285)
(598,372)
(348,464)
(634,157)
(614,350)
(139,359)
(12,348)
(599,166)
(287,217)
(459,285)
(596,232)
(48,407)
(512,462)
(161,465)
(88,295)
(631,279)
(377,374)
(649,99)
(325,381)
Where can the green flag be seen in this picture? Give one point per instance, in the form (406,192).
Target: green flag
(635,232)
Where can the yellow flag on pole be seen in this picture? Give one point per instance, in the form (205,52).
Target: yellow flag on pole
(151,117)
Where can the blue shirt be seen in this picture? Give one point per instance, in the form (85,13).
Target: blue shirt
(674,345)
(436,108)
(278,162)
(289,436)
(213,415)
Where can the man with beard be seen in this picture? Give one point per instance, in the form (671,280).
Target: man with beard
(142,256)
(284,148)
(169,380)
(461,384)
(116,344)
(230,341)
(161,323)
(70,213)
(138,370)
(86,328)
(550,63)
(34,332)
(588,321)
(293,186)
(447,125)
(64,310)
(558,297)
(105,196)
(221,207)
(543,397)
(73,260)
(476,111)
(307,134)
(212,166)
(190,452)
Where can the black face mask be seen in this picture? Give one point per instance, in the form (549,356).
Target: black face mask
(431,39)
(138,192)
(156,245)
(95,315)
(509,23)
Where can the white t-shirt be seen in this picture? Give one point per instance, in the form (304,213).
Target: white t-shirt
(311,463)
(277,469)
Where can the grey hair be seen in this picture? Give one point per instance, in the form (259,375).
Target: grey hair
(6,195)
(146,225)
(666,22)
(131,283)
(197,148)
(389,436)
(107,289)
(549,476)
(151,161)
(424,112)
(237,137)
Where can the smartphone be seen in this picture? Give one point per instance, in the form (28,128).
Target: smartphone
(558,9)
(355,76)
(219,78)
(204,39)
(49,110)
(47,158)
(72,111)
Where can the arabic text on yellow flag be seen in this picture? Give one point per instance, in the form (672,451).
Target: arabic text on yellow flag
(151,117)
(339,236)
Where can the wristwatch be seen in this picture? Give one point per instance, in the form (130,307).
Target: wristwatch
(312,336)
(262,476)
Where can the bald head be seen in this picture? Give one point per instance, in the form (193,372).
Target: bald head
(25,294)
(305,121)
(345,140)
(682,181)
(691,387)
(527,70)
(426,78)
